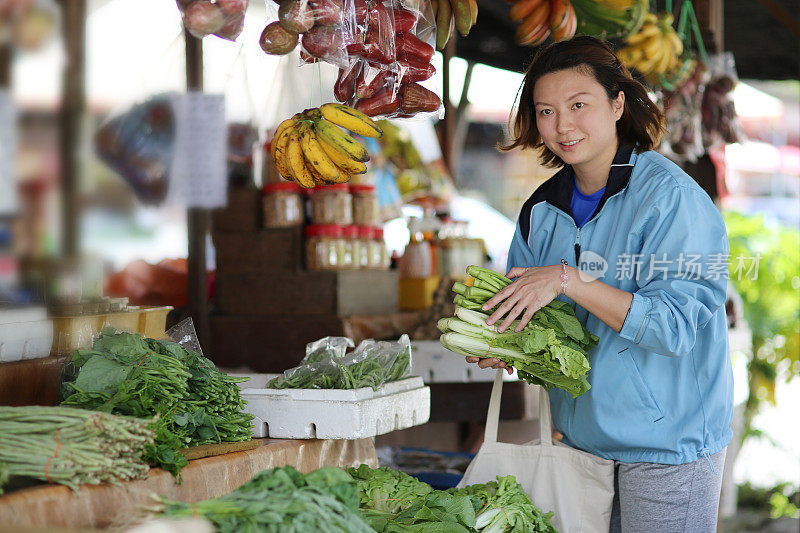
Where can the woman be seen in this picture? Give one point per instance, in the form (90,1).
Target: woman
(641,251)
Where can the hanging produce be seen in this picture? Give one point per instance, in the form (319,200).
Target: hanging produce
(450,14)
(542,19)
(720,123)
(311,150)
(654,50)
(223,18)
(610,18)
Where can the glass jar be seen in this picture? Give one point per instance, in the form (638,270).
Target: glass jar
(324,247)
(365,205)
(332,204)
(352,247)
(283,205)
(365,239)
(383,261)
(374,256)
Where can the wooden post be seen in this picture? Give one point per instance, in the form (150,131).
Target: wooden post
(197,218)
(710,18)
(5,66)
(73,108)
(461,120)
(449,111)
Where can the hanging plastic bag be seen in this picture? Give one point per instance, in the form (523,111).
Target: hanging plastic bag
(682,110)
(138,144)
(721,124)
(223,18)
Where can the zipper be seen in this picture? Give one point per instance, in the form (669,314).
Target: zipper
(578,249)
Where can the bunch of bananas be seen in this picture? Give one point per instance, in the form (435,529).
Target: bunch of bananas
(449,14)
(610,18)
(310,149)
(397,146)
(655,50)
(543,18)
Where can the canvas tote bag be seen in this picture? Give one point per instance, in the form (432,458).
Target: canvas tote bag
(577,486)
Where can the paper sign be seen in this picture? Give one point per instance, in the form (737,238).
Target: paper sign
(198,176)
(8,152)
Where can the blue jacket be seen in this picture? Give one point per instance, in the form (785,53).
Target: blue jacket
(662,388)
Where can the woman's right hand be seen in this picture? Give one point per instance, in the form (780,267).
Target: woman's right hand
(490,362)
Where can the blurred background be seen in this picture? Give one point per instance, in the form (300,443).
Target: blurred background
(98,218)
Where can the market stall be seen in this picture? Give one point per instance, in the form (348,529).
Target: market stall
(316,336)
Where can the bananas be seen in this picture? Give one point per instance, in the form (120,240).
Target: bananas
(310,149)
(655,50)
(542,19)
(350,119)
(450,14)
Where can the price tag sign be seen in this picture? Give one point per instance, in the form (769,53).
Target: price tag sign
(8,152)
(198,176)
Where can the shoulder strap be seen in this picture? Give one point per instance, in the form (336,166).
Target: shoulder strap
(493,415)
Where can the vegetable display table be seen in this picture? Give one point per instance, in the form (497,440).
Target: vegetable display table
(211,477)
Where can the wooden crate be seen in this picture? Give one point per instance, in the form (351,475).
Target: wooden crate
(339,293)
(259,252)
(242,214)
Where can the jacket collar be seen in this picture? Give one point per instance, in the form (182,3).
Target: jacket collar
(557,190)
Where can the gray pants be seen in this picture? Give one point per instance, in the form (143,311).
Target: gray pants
(656,498)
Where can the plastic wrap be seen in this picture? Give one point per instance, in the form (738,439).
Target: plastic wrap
(223,18)
(720,122)
(327,366)
(138,144)
(390,56)
(682,108)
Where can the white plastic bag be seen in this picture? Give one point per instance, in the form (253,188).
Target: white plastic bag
(577,486)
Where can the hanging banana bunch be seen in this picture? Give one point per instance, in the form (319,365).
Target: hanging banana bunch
(655,50)
(610,18)
(453,14)
(310,149)
(541,19)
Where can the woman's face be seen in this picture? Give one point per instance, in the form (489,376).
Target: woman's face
(575,118)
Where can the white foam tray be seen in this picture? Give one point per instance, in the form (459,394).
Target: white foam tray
(333,413)
(25,340)
(437,365)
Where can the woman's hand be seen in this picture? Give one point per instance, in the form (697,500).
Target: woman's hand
(490,362)
(534,288)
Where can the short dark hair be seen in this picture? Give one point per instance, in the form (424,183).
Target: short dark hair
(641,124)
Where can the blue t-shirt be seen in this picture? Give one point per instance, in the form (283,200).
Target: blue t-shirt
(583,205)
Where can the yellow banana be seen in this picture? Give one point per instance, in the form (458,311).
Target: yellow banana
(296,161)
(648,30)
(280,129)
(279,150)
(316,157)
(341,159)
(331,133)
(675,41)
(665,58)
(350,119)
(652,47)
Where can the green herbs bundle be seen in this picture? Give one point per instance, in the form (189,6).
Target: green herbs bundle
(282,500)
(551,350)
(71,446)
(130,375)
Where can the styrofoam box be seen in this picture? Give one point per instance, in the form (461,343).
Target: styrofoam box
(334,413)
(438,365)
(25,334)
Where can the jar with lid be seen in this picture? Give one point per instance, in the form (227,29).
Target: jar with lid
(332,204)
(283,205)
(365,242)
(365,205)
(382,254)
(324,247)
(352,247)
(375,247)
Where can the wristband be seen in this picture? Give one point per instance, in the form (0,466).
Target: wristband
(564,277)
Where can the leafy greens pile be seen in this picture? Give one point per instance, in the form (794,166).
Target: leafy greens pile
(282,500)
(127,374)
(394,502)
(550,351)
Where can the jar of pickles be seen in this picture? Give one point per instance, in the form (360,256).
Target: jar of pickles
(283,205)
(325,247)
(332,204)
(366,211)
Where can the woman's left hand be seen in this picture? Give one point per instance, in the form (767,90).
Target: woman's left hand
(534,288)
